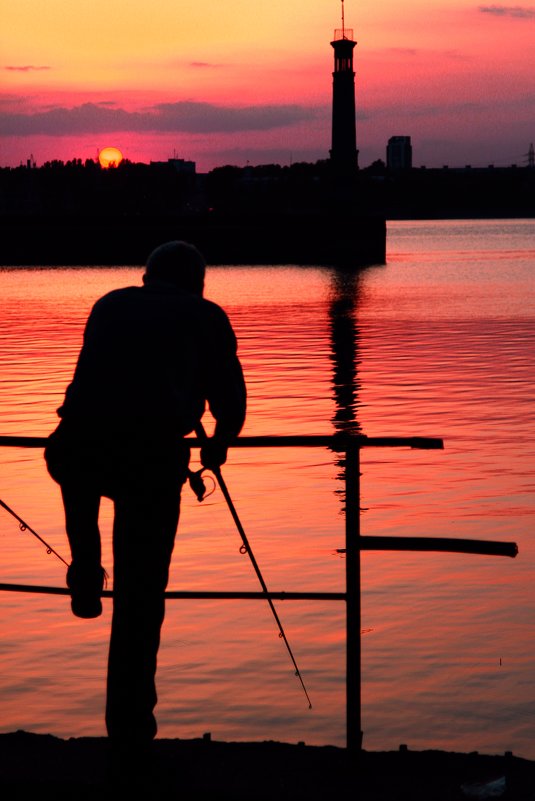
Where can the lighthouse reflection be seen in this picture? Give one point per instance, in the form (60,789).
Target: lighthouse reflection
(344,356)
(344,352)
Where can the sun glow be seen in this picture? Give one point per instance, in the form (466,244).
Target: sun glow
(110,157)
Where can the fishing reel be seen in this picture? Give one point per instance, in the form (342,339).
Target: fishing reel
(197,484)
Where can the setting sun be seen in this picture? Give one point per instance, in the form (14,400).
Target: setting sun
(110,157)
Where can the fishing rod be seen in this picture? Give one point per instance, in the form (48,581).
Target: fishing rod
(246,548)
(25,527)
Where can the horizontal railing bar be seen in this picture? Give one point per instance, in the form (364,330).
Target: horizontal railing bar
(442,544)
(338,442)
(23,442)
(417,443)
(194,594)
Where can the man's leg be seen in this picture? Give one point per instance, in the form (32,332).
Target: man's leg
(81,522)
(143,538)
(85,575)
(72,461)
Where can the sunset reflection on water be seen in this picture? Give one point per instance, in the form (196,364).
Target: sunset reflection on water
(441,342)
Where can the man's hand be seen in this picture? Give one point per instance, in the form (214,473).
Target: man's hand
(213,454)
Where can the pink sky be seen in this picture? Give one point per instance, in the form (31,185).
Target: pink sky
(233,82)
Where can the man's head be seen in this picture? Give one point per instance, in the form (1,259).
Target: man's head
(177,263)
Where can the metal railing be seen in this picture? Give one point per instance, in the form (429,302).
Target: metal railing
(351,446)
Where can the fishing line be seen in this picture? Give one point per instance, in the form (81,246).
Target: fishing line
(246,548)
(25,527)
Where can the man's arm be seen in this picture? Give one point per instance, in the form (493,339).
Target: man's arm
(226,392)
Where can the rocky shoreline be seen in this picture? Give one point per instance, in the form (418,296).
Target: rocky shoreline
(47,767)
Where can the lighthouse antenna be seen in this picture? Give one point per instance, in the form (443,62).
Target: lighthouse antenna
(343,22)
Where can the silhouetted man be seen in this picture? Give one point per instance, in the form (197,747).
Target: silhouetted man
(152,356)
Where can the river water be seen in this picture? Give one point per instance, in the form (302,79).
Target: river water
(440,342)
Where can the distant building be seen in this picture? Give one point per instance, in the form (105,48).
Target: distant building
(179,165)
(399,153)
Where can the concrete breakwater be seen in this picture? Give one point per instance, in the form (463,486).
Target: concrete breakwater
(339,239)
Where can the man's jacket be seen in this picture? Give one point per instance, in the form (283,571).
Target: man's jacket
(152,357)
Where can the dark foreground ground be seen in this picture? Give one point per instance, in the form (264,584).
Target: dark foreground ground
(44,767)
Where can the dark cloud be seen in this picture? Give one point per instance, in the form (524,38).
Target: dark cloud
(182,117)
(205,65)
(520,12)
(403,51)
(460,109)
(26,68)
(412,52)
(205,117)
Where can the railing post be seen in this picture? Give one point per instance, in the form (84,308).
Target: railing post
(353,624)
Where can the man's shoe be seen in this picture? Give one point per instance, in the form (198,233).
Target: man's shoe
(86,586)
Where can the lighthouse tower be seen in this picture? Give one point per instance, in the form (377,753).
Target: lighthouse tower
(344,153)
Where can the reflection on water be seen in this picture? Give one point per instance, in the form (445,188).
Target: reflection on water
(440,342)
(343,307)
(343,330)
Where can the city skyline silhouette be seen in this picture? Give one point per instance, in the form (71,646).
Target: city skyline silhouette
(220,85)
